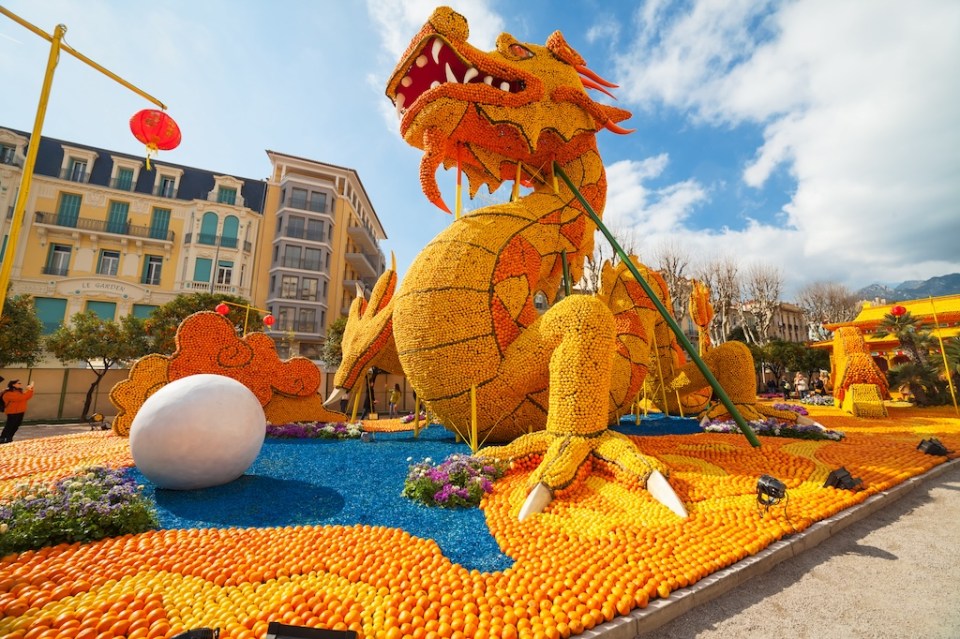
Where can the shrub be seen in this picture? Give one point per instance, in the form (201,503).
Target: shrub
(459,481)
(314,430)
(96,503)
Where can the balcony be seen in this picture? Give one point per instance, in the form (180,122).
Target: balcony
(75,175)
(204,287)
(62,271)
(318,205)
(301,263)
(102,226)
(121,184)
(363,238)
(165,190)
(212,240)
(297,326)
(11,159)
(304,234)
(351,286)
(361,264)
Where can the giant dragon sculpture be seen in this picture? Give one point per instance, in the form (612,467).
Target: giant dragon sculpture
(464,316)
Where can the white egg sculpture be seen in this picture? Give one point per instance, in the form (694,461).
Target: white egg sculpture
(197,432)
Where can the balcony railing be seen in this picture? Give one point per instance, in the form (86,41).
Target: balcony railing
(11,159)
(102,226)
(165,191)
(363,238)
(230,289)
(56,270)
(317,206)
(361,264)
(212,240)
(75,175)
(297,326)
(305,234)
(121,184)
(302,264)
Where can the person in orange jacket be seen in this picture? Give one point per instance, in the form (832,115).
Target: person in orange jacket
(15,400)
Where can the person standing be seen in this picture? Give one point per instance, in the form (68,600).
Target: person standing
(800,383)
(14,405)
(394,400)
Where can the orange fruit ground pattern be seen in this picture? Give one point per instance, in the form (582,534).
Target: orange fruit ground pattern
(601,551)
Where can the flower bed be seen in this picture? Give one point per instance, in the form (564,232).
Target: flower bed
(315,430)
(460,481)
(774,428)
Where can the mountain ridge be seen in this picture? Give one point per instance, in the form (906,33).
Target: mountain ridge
(913,289)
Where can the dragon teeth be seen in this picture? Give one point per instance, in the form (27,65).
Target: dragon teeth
(488,80)
(435,51)
(406,81)
(421,61)
(470,74)
(401,99)
(434,84)
(505,86)
(450,76)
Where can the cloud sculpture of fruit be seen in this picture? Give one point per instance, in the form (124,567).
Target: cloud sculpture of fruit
(464,322)
(196,432)
(208,343)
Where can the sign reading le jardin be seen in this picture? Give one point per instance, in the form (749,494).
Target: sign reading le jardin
(94,286)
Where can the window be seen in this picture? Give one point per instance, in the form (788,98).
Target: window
(315,230)
(143,311)
(124,179)
(117,217)
(159,223)
(291,256)
(208,229)
(231,229)
(77,171)
(318,202)
(327,261)
(152,265)
(168,186)
(288,287)
(224,272)
(285,317)
(109,261)
(51,312)
(324,289)
(273,284)
(68,212)
(307,320)
(58,260)
(104,310)
(226,195)
(295,227)
(201,269)
(311,259)
(298,198)
(308,289)
(7,154)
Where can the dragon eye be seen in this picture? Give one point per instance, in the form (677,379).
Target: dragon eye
(520,51)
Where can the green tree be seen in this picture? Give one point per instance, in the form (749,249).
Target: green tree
(100,344)
(920,376)
(332,352)
(20,330)
(913,336)
(162,324)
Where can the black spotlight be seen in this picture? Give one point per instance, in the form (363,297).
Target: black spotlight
(199,633)
(770,491)
(932,446)
(842,479)
(277,630)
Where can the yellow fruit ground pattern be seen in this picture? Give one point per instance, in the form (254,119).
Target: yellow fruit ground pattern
(602,549)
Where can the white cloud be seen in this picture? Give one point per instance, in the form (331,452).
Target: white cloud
(858,102)
(652,211)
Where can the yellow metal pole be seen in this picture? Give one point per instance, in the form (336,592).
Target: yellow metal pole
(416,418)
(356,406)
(27,177)
(473,419)
(245,318)
(943,353)
(56,45)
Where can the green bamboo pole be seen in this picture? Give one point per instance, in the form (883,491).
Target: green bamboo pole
(672,323)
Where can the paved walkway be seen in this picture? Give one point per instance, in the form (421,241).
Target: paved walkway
(886,569)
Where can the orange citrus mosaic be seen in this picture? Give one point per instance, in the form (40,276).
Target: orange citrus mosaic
(208,343)
(603,550)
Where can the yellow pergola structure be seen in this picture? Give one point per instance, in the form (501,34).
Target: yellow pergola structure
(56,46)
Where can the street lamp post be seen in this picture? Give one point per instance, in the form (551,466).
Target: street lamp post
(56,46)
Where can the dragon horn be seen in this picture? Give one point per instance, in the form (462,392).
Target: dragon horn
(609,125)
(393,261)
(590,84)
(583,70)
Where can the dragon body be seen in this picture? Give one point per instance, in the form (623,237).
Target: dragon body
(464,317)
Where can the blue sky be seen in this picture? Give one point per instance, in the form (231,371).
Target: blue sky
(817,136)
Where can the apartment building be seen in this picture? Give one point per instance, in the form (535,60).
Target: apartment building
(103,233)
(321,239)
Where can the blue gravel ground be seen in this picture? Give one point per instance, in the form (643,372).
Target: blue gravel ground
(348,482)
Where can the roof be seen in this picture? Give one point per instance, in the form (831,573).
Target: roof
(947,310)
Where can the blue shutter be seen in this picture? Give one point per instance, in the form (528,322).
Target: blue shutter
(117,219)
(106,311)
(159,224)
(231,226)
(143,311)
(51,312)
(69,211)
(201,269)
(208,229)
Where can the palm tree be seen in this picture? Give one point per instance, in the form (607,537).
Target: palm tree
(919,376)
(916,339)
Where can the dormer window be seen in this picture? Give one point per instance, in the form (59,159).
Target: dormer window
(226,190)
(226,195)
(7,154)
(125,173)
(167,182)
(77,164)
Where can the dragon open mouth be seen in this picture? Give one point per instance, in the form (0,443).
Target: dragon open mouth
(437,63)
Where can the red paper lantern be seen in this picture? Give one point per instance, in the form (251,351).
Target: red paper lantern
(222,309)
(156,129)
(268,320)
(898,310)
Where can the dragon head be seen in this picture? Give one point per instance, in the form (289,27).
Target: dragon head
(487,111)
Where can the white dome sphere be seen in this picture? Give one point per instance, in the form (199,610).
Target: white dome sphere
(197,432)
